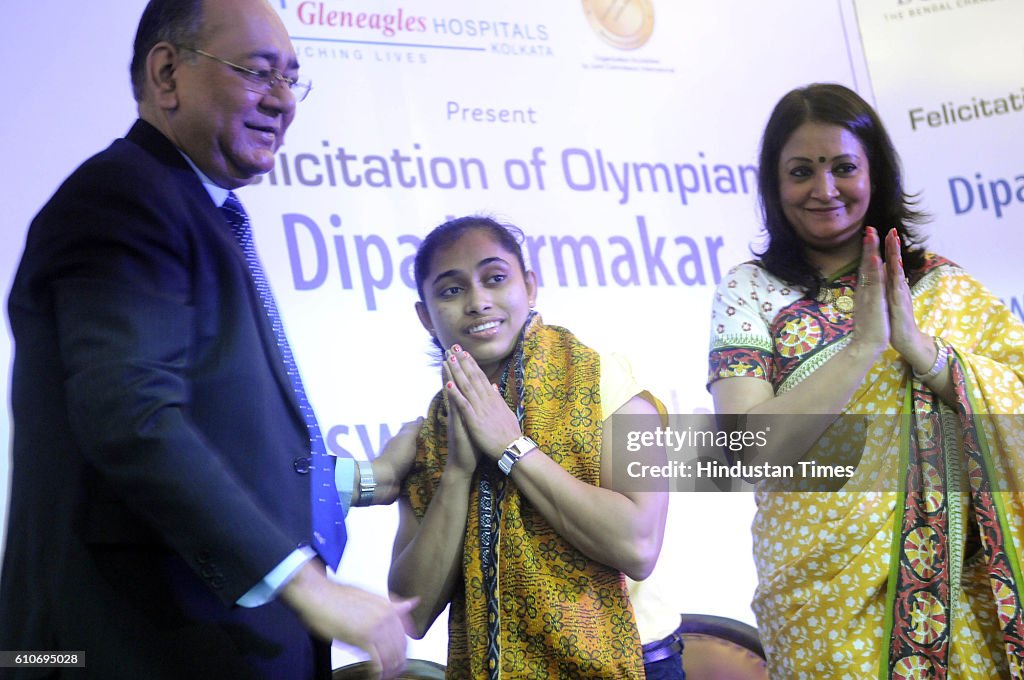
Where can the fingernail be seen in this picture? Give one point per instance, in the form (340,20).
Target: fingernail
(449,384)
(452,358)
(456,348)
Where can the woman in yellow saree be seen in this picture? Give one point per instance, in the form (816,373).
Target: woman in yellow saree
(912,570)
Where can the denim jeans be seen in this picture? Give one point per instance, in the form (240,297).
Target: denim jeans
(670,668)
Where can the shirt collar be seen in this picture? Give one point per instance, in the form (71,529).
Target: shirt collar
(217,193)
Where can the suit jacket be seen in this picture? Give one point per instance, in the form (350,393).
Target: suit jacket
(159,458)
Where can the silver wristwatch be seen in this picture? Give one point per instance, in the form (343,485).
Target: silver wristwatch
(367,484)
(513,452)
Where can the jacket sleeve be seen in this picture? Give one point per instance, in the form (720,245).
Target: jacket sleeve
(118,272)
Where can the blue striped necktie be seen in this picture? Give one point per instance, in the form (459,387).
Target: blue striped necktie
(328,517)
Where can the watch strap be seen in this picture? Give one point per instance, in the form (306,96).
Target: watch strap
(367,484)
(513,452)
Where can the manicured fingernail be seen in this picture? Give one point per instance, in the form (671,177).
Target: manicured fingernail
(452,358)
(449,384)
(456,348)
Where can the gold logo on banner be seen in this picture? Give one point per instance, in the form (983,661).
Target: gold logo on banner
(626,24)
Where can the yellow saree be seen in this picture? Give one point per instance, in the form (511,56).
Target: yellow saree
(913,569)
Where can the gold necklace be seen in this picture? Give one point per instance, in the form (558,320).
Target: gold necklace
(842,303)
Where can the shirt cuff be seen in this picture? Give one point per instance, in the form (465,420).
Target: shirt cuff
(267,589)
(344,481)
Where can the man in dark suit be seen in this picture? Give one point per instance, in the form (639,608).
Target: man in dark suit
(160,509)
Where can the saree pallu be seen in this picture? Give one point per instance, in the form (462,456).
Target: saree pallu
(913,569)
(530,605)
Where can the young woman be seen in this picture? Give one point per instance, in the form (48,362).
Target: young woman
(916,573)
(510,512)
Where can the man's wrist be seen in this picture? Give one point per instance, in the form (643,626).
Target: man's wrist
(367,483)
(278,577)
(304,588)
(346,479)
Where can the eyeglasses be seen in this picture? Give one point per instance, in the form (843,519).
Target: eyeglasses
(262,81)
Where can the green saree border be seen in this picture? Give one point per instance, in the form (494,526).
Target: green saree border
(896,545)
(997,496)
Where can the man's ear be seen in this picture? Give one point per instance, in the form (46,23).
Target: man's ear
(162,64)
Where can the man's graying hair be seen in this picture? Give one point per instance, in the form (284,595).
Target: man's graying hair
(178,22)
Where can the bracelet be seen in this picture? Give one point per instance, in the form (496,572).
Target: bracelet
(367,484)
(940,362)
(513,452)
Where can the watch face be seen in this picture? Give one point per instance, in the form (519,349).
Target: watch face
(626,24)
(521,446)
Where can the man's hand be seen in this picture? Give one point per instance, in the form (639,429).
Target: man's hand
(333,611)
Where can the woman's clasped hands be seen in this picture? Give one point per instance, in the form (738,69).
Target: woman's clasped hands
(885,310)
(477,413)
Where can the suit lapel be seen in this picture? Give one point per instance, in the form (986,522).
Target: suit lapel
(154,142)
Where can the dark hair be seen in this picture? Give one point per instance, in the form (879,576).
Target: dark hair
(890,207)
(178,22)
(508,236)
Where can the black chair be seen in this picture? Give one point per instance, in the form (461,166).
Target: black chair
(415,669)
(719,648)
(716,648)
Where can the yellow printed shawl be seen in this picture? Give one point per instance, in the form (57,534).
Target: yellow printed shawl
(558,614)
(913,570)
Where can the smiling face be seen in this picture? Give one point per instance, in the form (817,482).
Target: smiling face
(229,131)
(825,191)
(476,295)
